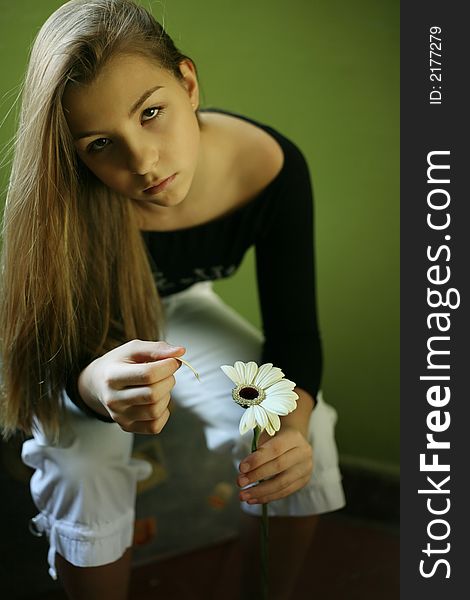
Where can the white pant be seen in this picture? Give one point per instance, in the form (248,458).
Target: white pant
(85,486)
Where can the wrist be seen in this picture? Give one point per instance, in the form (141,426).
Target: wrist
(84,389)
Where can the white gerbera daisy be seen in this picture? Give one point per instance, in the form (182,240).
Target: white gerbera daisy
(264,393)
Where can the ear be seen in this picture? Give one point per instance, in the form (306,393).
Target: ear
(189,81)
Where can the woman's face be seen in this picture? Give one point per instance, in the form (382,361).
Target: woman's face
(135,126)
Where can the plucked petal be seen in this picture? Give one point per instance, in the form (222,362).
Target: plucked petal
(251,368)
(247,421)
(260,416)
(274,423)
(267,375)
(231,373)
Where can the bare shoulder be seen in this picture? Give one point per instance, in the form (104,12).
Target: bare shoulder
(242,160)
(257,155)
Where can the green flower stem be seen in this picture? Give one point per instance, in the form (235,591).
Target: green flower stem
(263,530)
(256,434)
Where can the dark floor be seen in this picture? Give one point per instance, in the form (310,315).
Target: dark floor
(348,560)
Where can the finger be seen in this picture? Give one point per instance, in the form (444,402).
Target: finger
(268,469)
(278,465)
(148,412)
(148,427)
(142,374)
(137,395)
(147,351)
(278,487)
(274,447)
(295,486)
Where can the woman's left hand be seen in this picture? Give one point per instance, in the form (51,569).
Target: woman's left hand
(286,459)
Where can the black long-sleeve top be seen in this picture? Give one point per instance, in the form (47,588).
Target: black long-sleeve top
(278,222)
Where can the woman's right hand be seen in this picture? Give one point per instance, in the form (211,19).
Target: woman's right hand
(132,384)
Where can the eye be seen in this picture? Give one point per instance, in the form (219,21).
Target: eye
(156,111)
(97,145)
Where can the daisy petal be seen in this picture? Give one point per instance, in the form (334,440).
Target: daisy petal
(275,391)
(260,416)
(281,405)
(274,423)
(251,368)
(283,386)
(247,421)
(290,396)
(240,367)
(231,373)
(270,430)
(267,375)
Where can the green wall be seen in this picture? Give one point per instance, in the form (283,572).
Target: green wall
(326,74)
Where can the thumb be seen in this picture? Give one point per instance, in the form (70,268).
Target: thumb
(145,351)
(164,348)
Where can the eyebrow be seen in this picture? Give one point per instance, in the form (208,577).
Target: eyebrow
(133,109)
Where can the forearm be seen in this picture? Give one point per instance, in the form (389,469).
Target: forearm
(300,417)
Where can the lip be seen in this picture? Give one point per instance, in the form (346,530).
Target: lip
(155,189)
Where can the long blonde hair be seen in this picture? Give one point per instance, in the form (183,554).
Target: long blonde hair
(76,279)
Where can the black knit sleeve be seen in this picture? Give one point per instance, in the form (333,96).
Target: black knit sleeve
(286,276)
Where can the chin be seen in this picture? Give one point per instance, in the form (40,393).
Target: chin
(164,201)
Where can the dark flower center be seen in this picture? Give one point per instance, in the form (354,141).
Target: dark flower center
(248,393)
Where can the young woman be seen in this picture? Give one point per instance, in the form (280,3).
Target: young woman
(126,200)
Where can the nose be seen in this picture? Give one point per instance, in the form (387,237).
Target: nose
(143,158)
